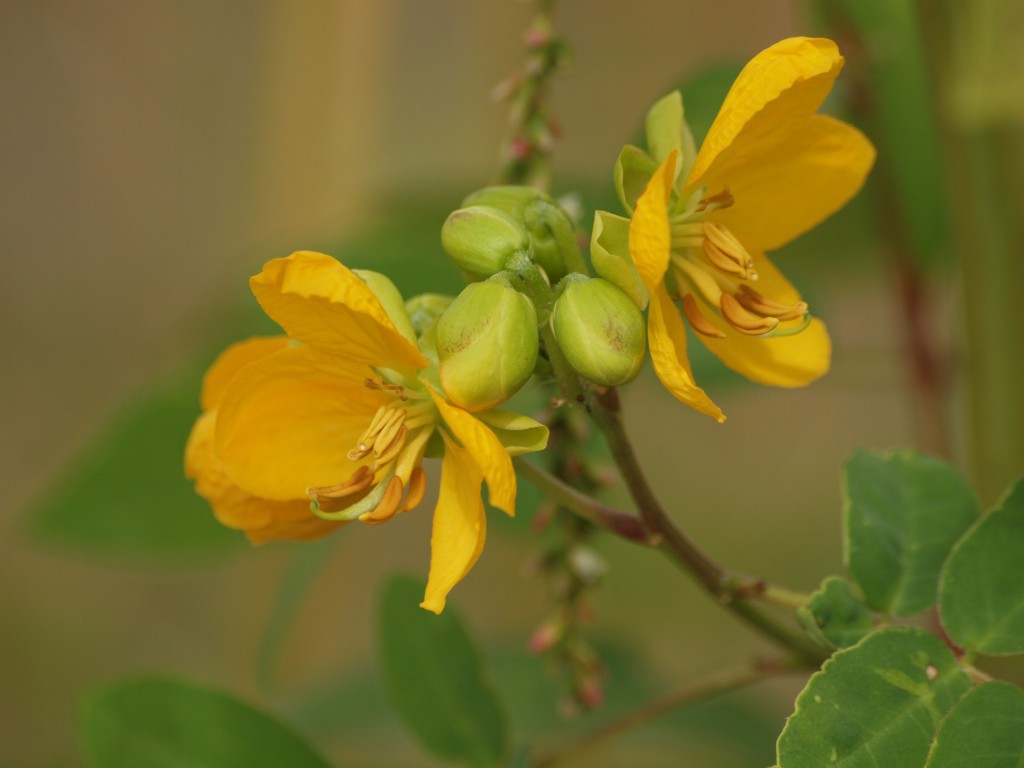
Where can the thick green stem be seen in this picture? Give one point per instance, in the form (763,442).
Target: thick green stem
(715,684)
(986,162)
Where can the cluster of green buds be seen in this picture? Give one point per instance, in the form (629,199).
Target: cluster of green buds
(528,284)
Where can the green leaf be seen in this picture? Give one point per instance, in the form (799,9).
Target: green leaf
(981,597)
(985,730)
(835,616)
(128,498)
(435,678)
(876,704)
(902,514)
(159,723)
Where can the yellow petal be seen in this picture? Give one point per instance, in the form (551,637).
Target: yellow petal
(261,519)
(784,361)
(320,302)
(774,95)
(286,422)
(233,359)
(801,182)
(666,336)
(460,525)
(650,238)
(486,450)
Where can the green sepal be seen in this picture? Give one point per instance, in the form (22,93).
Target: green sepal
(609,253)
(389,297)
(836,616)
(664,127)
(518,433)
(981,593)
(633,169)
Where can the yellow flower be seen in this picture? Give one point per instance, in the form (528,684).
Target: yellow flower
(769,170)
(338,418)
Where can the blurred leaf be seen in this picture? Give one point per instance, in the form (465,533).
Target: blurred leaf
(835,616)
(157,723)
(985,730)
(881,38)
(881,700)
(127,497)
(902,513)
(981,597)
(307,562)
(435,678)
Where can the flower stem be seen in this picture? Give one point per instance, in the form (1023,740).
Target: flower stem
(711,685)
(621,524)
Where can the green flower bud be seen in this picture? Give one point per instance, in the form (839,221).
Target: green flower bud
(599,330)
(552,233)
(425,308)
(508,198)
(487,344)
(389,297)
(480,239)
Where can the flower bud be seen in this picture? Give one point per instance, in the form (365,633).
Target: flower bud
(599,330)
(480,239)
(424,308)
(486,344)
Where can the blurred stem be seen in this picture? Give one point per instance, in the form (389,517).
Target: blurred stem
(927,370)
(533,129)
(986,161)
(707,687)
(621,524)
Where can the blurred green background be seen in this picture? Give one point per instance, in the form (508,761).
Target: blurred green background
(156,154)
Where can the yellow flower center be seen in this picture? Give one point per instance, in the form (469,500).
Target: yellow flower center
(710,270)
(393,441)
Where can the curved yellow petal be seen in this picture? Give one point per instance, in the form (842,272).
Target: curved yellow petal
(320,302)
(460,525)
(261,519)
(784,361)
(231,361)
(650,237)
(774,95)
(666,337)
(798,184)
(486,451)
(286,422)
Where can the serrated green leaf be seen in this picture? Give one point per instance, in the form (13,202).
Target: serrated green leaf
(835,615)
(985,730)
(128,497)
(878,703)
(435,678)
(902,513)
(160,723)
(981,597)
